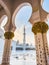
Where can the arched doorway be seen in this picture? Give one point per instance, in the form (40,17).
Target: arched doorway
(21,19)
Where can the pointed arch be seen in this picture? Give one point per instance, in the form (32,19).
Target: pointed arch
(2,18)
(5,8)
(17,10)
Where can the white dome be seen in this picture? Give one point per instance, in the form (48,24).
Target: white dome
(1,33)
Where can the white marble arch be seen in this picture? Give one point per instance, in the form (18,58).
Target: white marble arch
(5,7)
(6,10)
(2,18)
(17,10)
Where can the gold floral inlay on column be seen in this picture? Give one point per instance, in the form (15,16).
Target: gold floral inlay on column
(9,35)
(39,27)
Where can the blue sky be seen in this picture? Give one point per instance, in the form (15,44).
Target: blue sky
(46,5)
(22,18)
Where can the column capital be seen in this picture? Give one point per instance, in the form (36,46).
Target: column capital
(8,35)
(39,27)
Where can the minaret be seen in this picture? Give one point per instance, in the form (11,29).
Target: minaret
(24,42)
(24,34)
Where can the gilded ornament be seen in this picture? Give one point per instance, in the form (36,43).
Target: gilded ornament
(9,35)
(40,27)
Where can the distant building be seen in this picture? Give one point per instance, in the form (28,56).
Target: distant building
(24,45)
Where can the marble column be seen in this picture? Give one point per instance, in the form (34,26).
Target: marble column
(40,42)
(9,34)
(41,60)
(7,48)
(37,52)
(6,53)
(46,47)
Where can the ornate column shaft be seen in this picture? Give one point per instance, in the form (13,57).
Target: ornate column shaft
(39,28)
(6,53)
(7,48)
(9,34)
(46,47)
(37,52)
(40,55)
